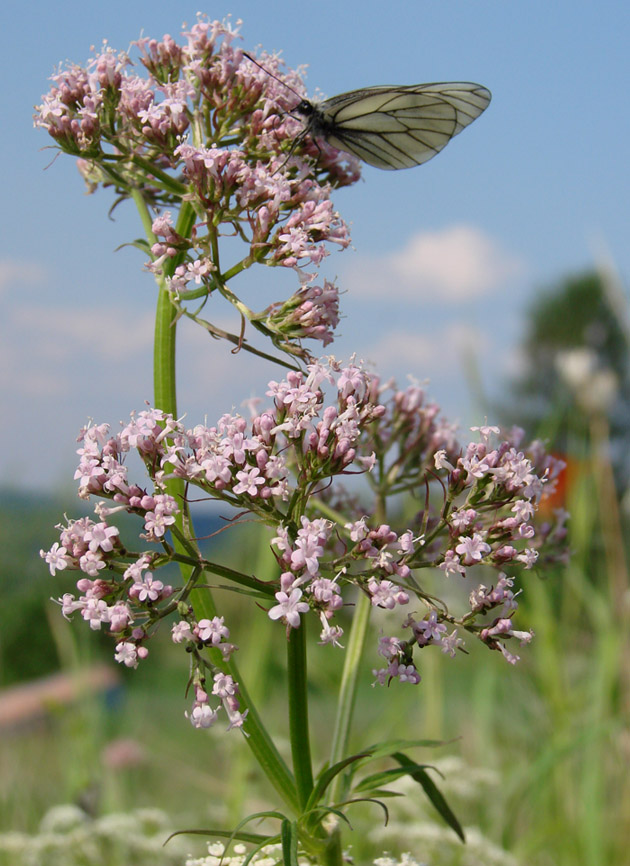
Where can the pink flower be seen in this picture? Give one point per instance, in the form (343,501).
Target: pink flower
(472,548)
(119,616)
(452,564)
(289,608)
(147,590)
(127,654)
(202,715)
(56,558)
(429,630)
(181,632)
(212,631)
(386,594)
(100,536)
(249,481)
(95,612)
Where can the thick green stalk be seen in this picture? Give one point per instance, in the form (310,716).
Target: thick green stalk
(164,361)
(298,714)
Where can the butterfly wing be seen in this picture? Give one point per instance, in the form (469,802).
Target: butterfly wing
(398,127)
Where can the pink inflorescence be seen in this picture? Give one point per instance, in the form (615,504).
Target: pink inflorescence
(283,465)
(199,125)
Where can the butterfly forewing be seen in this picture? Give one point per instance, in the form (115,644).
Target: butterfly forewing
(395,127)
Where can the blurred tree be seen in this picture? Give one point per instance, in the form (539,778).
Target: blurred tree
(576,366)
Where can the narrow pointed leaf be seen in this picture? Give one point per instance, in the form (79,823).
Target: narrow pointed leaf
(272,840)
(325,810)
(267,813)
(237,833)
(367,800)
(388,747)
(386,776)
(325,778)
(433,793)
(254,838)
(383,792)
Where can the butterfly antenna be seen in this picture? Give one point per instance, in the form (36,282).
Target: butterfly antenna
(298,138)
(271,75)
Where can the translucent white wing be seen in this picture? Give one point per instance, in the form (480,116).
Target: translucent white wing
(394,127)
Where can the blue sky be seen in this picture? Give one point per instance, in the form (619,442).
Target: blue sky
(446,256)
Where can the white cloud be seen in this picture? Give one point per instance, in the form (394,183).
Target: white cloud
(455,264)
(442,351)
(51,352)
(21,273)
(61,332)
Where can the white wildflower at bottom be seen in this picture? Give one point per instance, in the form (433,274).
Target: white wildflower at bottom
(271,855)
(67,835)
(405,860)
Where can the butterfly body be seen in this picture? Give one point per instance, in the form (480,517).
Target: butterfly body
(395,126)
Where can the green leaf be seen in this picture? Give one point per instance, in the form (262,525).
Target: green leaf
(267,813)
(386,776)
(272,840)
(326,776)
(255,838)
(383,792)
(323,810)
(289,838)
(388,747)
(224,834)
(420,775)
(253,593)
(367,800)
(139,244)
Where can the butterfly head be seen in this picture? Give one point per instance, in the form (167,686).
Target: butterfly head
(305,107)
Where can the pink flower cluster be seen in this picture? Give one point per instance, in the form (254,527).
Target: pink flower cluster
(244,169)
(503,487)
(210,633)
(203,715)
(312,312)
(322,424)
(242,463)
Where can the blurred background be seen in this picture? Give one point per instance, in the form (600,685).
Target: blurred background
(497,272)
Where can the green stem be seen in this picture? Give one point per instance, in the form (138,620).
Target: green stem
(350,675)
(348,688)
(333,852)
(298,714)
(258,739)
(165,331)
(164,358)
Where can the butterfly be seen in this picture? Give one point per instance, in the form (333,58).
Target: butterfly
(393,127)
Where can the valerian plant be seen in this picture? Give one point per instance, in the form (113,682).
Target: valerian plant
(203,141)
